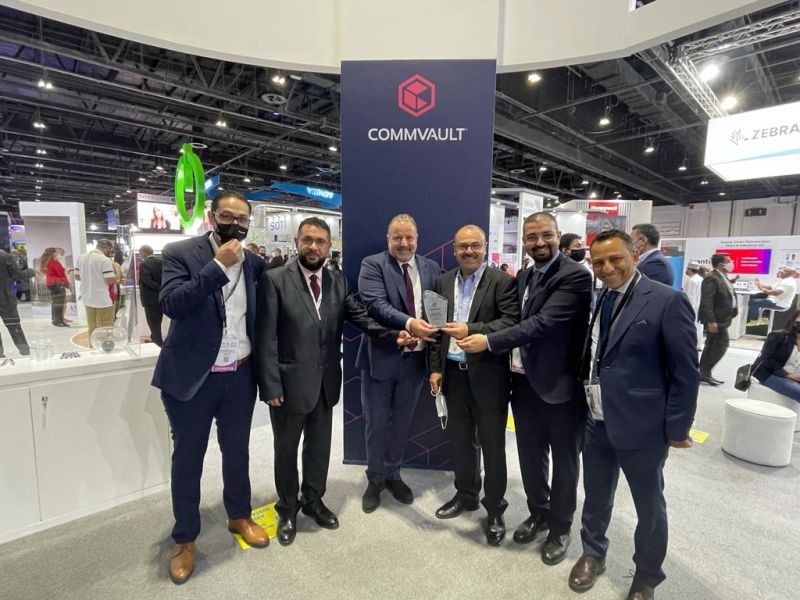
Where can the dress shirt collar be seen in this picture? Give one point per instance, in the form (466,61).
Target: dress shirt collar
(307,273)
(543,269)
(476,275)
(412,264)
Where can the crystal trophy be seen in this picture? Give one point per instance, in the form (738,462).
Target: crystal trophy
(435,308)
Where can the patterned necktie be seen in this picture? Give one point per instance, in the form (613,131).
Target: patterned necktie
(412,308)
(607,312)
(314,287)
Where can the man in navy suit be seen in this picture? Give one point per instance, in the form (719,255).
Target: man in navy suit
(641,376)
(547,395)
(652,263)
(205,371)
(391,284)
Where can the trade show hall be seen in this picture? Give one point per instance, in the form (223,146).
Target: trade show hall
(441,300)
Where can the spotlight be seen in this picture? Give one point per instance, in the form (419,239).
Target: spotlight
(278,79)
(117,196)
(649,147)
(729,102)
(585,182)
(159,168)
(283,167)
(333,148)
(39,181)
(129,191)
(45,85)
(93,227)
(39,166)
(41,151)
(683,167)
(142,179)
(246,180)
(704,182)
(605,121)
(534,78)
(39,125)
(722,193)
(221,123)
(37,187)
(593,195)
(709,72)
(542,169)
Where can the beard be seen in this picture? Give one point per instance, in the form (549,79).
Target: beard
(309,264)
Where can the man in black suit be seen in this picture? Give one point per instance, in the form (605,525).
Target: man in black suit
(640,370)
(149,288)
(276,261)
(301,312)
(480,299)
(652,263)
(547,395)
(717,311)
(205,371)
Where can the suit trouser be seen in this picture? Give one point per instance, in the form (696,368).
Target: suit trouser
(229,398)
(58,295)
(644,470)
(10,316)
(99,317)
(714,349)
(389,407)
(541,427)
(472,429)
(316,428)
(154,317)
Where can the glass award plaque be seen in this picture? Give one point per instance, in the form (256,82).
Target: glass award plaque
(435,308)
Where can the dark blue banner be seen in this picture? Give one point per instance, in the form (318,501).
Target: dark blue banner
(417,139)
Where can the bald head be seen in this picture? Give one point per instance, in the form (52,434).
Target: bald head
(470,248)
(470,230)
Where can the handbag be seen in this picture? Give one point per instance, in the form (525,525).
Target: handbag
(743,375)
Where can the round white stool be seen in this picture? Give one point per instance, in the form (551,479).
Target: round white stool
(762,392)
(758,432)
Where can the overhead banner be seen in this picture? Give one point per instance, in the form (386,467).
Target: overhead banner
(755,144)
(417,139)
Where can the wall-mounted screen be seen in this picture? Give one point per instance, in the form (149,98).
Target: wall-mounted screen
(152,216)
(749,261)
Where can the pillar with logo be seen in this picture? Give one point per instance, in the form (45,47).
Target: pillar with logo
(416,139)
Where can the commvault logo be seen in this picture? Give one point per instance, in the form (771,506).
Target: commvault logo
(416,95)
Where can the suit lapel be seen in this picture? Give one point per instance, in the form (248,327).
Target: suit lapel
(448,292)
(205,254)
(299,281)
(479,294)
(629,313)
(399,280)
(250,290)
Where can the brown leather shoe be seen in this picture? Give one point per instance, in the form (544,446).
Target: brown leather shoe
(251,532)
(181,563)
(585,573)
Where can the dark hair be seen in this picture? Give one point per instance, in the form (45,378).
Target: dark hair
(566,240)
(718,259)
(315,222)
(790,326)
(541,215)
(650,233)
(504,267)
(610,234)
(232,194)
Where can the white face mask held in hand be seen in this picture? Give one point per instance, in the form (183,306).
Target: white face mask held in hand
(441,409)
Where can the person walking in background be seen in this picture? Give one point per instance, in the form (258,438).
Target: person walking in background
(718,307)
(652,263)
(692,288)
(10,273)
(57,283)
(149,288)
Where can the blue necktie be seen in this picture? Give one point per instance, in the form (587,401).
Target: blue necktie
(606,313)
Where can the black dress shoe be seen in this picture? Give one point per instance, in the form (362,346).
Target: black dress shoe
(495,530)
(641,591)
(527,530)
(711,381)
(554,550)
(287,529)
(400,491)
(454,507)
(585,573)
(372,497)
(323,517)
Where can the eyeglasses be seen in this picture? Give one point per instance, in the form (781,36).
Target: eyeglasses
(226,218)
(307,242)
(547,236)
(474,246)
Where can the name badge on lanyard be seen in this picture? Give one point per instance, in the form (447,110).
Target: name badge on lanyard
(453,351)
(228,354)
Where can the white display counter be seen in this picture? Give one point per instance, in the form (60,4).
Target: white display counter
(78,436)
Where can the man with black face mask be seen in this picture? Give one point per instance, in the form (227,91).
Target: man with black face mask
(205,370)
(571,245)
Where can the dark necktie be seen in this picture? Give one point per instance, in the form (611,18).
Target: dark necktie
(412,308)
(314,287)
(606,313)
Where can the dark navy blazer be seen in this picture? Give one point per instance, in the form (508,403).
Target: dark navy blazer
(656,267)
(191,296)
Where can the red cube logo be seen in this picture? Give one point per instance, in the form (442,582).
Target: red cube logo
(416,95)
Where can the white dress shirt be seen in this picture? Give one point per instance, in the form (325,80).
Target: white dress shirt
(234,295)
(416,283)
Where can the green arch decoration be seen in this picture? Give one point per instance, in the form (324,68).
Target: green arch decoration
(189,177)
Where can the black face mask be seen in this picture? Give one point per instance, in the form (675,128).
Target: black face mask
(578,255)
(797,327)
(231,231)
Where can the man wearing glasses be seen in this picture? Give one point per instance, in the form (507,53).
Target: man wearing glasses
(547,393)
(480,299)
(205,371)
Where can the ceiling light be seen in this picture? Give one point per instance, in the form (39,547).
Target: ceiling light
(220,188)
(159,168)
(283,167)
(704,182)
(649,149)
(296,77)
(493,192)
(728,102)
(39,166)
(39,125)
(221,123)
(93,227)
(585,182)
(534,78)
(41,151)
(277,114)
(605,121)
(333,148)
(709,72)
(117,196)
(542,169)
(517,171)
(45,85)
(39,181)
(246,180)
(37,200)
(142,179)
(278,79)
(722,193)
(683,166)
(593,195)
(128,191)
(37,187)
